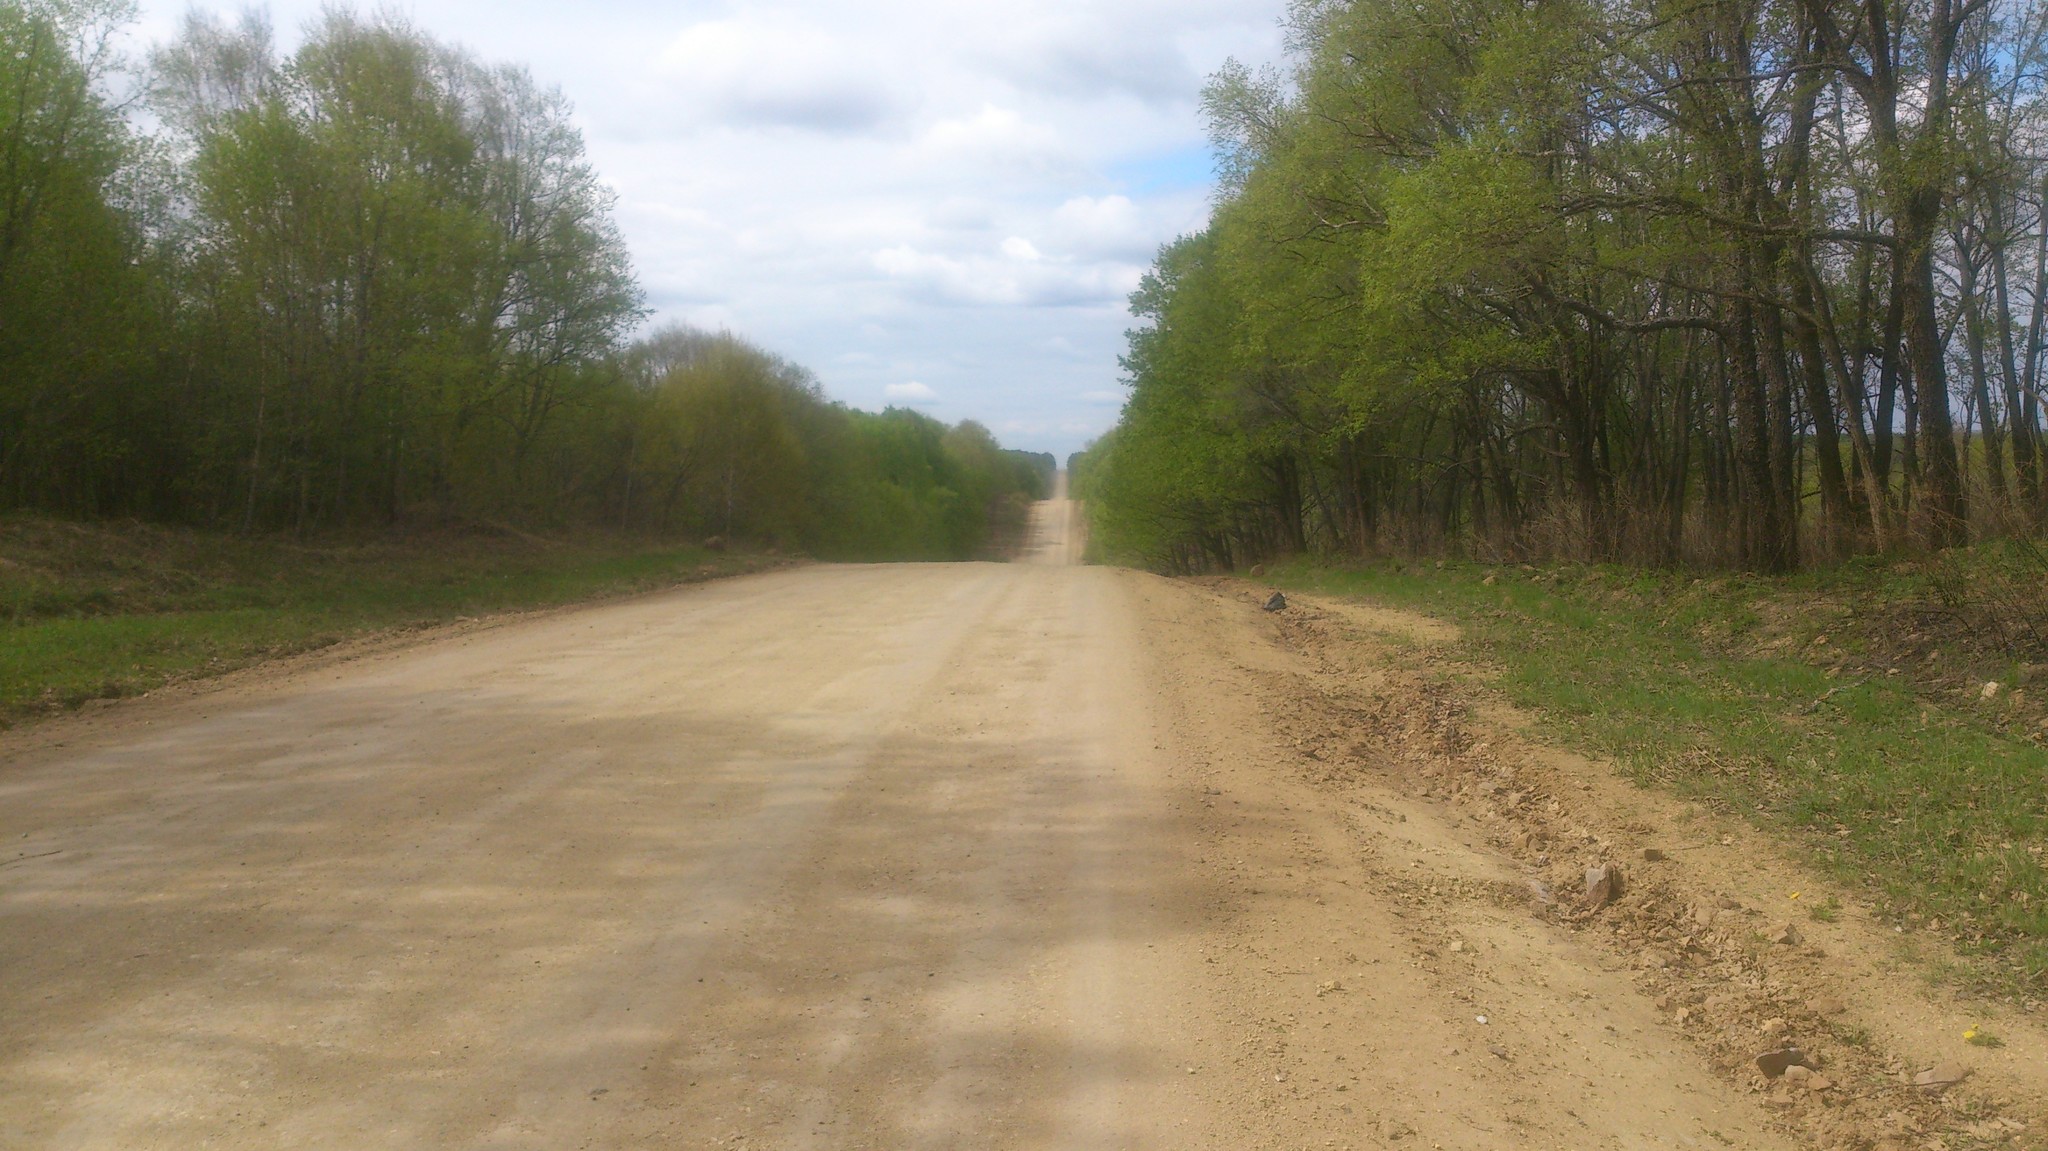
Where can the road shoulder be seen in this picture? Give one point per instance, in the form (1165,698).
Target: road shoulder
(1713,928)
(1377,952)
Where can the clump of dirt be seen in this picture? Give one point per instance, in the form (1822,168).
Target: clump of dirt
(1738,980)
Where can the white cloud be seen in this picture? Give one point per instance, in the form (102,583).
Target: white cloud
(910,391)
(1020,279)
(1107,226)
(957,194)
(990,131)
(771,69)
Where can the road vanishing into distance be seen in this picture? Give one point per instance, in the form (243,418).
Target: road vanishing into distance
(897,856)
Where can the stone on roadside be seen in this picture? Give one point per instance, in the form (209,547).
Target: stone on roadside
(1258,570)
(1775,1062)
(1941,1077)
(1652,855)
(1989,691)
(1786,935)
(1603,885)
(1276,602)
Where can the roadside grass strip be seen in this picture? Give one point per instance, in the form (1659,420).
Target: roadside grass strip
(92,613)
(1931,800)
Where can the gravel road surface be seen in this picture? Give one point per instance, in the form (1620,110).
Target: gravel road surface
(907,856)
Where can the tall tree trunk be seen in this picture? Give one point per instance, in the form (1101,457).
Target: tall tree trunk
(1972,304)
(2030,367)
(1890,378)
(2024,452)
(1784,490)
(1827,438)
(1941,482)
(1760,511)
(1849,386)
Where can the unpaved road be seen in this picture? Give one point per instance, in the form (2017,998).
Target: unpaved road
(948,856)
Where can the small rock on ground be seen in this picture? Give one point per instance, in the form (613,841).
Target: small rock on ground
(1775,1062)
(1603,885)
(1941,1076)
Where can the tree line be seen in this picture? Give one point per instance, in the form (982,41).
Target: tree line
(375,280)
(718,436)
(1745,282)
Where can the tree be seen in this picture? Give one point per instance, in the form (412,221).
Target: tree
(72,316)
(1631,280)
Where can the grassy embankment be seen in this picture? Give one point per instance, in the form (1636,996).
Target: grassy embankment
(1849,709)
(95,611)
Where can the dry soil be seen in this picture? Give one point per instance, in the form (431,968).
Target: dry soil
(1032,855)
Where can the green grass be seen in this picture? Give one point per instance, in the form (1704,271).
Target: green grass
(102,611)
(1932,799)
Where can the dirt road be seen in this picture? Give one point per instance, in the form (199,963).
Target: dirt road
(940,856)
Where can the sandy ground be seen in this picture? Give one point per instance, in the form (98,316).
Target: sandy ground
(947,856)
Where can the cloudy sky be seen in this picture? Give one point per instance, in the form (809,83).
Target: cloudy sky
(927,202)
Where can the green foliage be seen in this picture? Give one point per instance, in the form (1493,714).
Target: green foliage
(74,320)
(1565,280)
(409,267)
(728,440)
(377,281)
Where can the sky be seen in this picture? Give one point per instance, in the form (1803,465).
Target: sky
(928,203)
